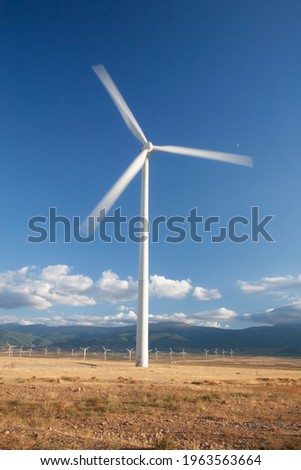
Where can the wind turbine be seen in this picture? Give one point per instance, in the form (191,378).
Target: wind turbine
(85,351)
(215,353)
(184,353)
(223,352)
(171,352)
(130,353)
(206,353)
(141,162)
(21,350)
(157,354)
(10,349)
(105,352)
(231,352)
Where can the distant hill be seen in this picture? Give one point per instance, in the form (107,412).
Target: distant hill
(284,340)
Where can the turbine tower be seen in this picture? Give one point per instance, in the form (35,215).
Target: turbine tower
(141,162)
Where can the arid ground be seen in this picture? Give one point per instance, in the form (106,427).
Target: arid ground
(195,403)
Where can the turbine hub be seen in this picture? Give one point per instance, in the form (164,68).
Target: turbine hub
(149,147)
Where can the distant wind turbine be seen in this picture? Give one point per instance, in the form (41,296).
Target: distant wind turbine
(130,353)
(157,354)
(85,351)
(184,353)
(105,352)
(21,350)
(206,353)
(10,349)
(141,162)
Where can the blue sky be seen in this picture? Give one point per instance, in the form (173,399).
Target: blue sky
(220,75)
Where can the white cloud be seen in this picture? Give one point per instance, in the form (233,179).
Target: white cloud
(55,285)
(27,287)
(165,317)
(248,288)
(201,293)
(212,324)
(59,276)
(174,289)
(282,286)
(214,318)
(216,315)
(111,288)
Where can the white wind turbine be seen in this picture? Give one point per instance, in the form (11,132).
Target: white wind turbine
(157,354)
(206,353)
(184,353)
(105,351)
(21,350)
(130,351)
(10,349)
(85,351)
(141,162)
(171,352)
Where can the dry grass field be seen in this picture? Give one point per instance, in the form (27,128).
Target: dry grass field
(68,403)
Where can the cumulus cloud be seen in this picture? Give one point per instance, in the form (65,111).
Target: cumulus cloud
(60,277)
(28,287)
(283,286)
(41,289)
(201,293)
(111,288)
(222,314)
(162,287)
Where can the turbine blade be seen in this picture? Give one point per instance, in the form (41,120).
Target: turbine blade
(123,108)
(114,193)
(209,154)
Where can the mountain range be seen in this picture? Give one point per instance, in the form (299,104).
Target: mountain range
(284,340)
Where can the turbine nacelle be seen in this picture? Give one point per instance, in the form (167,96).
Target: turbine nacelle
(149,147)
